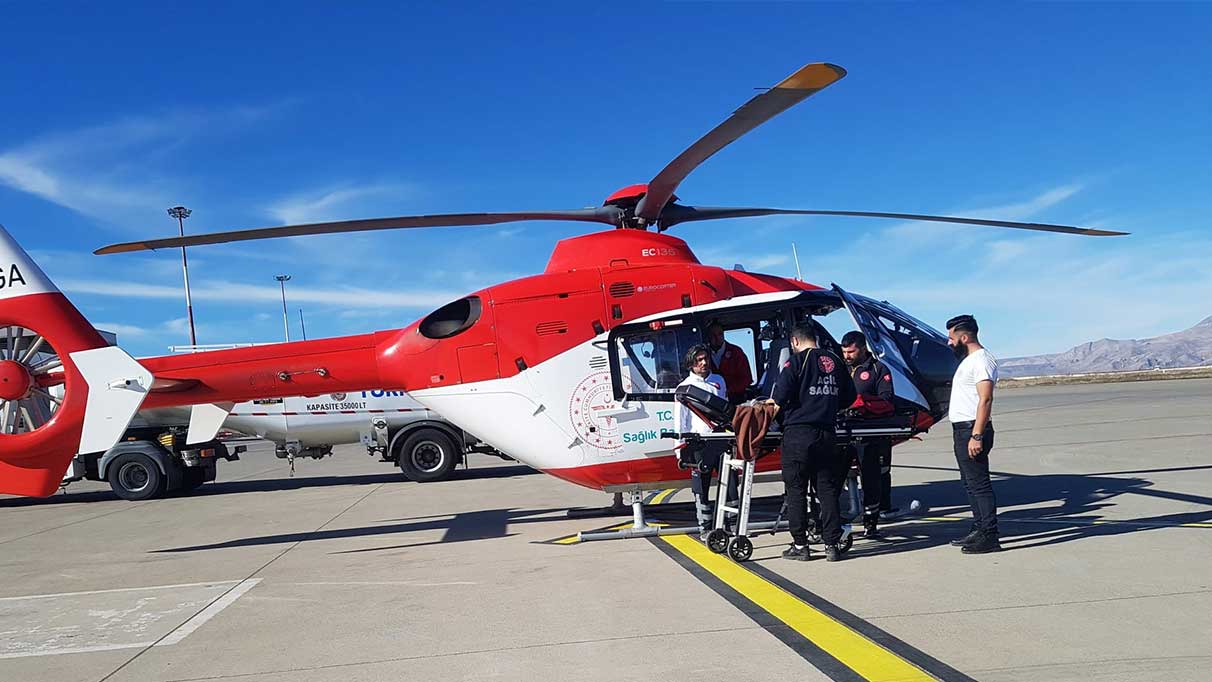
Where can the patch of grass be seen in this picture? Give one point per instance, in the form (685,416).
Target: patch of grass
(1110,377)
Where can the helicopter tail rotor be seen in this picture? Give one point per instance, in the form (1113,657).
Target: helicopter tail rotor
(63,388)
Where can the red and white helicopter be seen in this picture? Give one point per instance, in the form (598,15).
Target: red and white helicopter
(569,371)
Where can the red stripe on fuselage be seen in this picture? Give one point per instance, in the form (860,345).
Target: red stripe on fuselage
(650,470)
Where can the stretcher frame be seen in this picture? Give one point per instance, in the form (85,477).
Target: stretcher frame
(735,542)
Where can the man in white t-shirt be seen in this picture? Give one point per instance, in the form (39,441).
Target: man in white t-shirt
(698,361)
(971,415)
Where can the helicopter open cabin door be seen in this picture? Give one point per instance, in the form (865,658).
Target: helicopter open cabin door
(916,354)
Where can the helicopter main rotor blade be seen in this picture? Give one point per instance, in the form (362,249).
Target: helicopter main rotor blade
(676,213)
(602,214)
(797,87)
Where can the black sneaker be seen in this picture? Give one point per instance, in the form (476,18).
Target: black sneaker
(983,544)
(871,530)
(797,553)
(833,553)
(968,539)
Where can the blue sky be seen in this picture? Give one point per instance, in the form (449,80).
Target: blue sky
(259,114)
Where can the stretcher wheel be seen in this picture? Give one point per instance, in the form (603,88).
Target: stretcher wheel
(740,549)
(717,540)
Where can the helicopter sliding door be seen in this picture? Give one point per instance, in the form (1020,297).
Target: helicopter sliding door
(916,354)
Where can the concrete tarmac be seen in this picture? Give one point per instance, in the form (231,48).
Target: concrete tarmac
(347,572)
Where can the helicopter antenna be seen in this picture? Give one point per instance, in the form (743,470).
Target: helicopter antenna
(795,254)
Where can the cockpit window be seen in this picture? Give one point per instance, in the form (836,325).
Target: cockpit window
(652,360)
(451,319)
(894,317)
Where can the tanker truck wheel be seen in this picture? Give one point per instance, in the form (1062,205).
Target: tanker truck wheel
(135,476)
(427,455)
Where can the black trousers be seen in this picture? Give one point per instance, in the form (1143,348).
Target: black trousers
(700,484)
(886,479)
(810,456)
(974,472)
(873,458)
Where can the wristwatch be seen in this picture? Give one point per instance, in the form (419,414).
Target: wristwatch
(978,436)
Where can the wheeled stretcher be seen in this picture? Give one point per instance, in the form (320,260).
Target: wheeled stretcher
(733,470)
(733,539)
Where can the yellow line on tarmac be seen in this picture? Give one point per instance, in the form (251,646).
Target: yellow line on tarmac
(870,660)
(1076,522)
(1142,524)
(663,495)
(574,539)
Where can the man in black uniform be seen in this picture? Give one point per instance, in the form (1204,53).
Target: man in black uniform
(810,390)
(873,383)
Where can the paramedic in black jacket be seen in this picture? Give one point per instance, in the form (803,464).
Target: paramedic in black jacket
(812,387)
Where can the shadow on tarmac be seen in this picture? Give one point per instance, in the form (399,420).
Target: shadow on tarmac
(277,484)
(1083,501)
(1083,498)
(462,527)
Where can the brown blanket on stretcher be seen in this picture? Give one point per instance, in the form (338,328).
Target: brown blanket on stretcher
(750,423)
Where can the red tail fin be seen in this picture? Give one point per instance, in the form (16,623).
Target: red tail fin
(44,341)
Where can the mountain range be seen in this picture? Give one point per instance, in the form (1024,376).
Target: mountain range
(1188,348)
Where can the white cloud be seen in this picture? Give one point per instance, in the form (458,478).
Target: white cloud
(334,203)
(759,263)
(86,170)
(121,329)
(231,292)
(915,234)
(1061,291)
(752,262)
(1033,292)
(1024,210)
(1005,250)
(91,196)
(179,325)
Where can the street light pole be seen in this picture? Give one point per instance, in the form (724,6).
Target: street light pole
(282,280)
(181,213)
